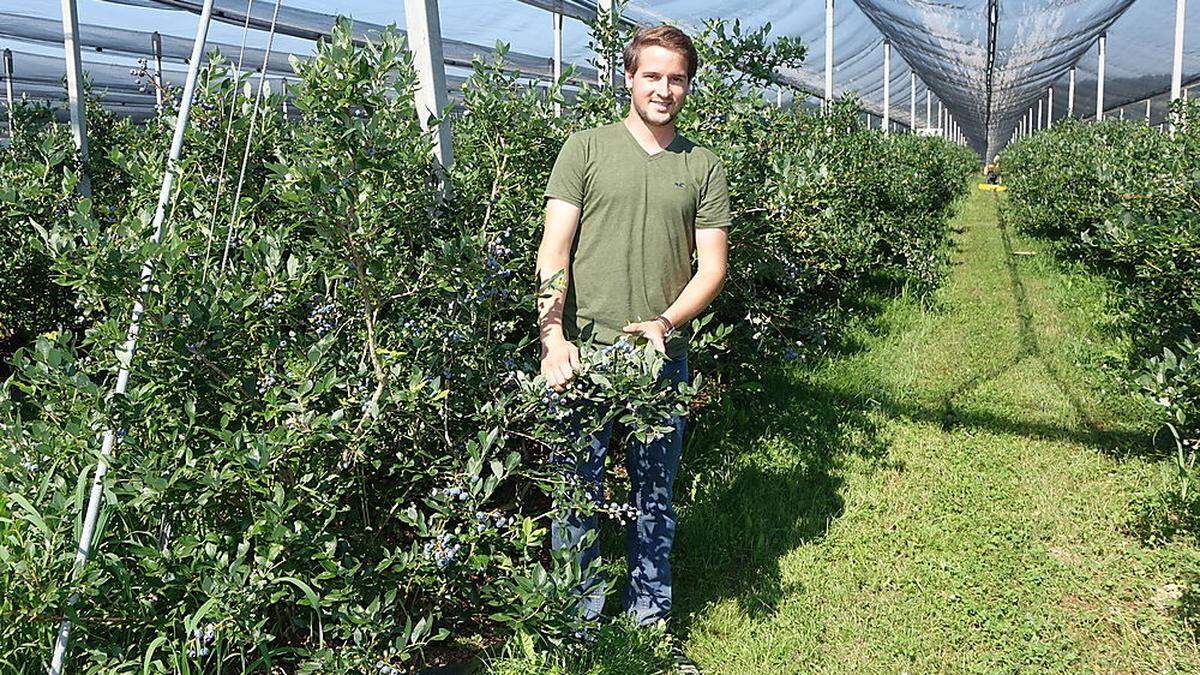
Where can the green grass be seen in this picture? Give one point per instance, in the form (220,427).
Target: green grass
(951,492)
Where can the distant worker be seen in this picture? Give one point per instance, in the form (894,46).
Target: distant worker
(627,205)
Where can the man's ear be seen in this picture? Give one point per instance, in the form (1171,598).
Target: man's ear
(628,80)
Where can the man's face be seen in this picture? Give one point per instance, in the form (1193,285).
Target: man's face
(660,85)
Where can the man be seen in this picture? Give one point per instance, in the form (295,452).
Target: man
(627,204)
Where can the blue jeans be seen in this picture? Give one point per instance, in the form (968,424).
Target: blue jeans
(652,468)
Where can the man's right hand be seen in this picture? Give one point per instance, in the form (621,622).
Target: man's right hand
(560,361)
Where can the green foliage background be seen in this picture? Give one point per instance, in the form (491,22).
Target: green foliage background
(333,448)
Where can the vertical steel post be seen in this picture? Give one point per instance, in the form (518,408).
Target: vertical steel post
(88,531)
(156,49)
(1050,107)
(605,76)
(283,91)
(1177,61)
(887,87)
(425,41)
(556,21)
(1121,113)
(76,103)
(912,102)
(1071,94)
(1147,111)
(1103,49)
(8,89)
(928,109)
(828,54)
(1040,118)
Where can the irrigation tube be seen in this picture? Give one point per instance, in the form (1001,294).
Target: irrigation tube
(106,446)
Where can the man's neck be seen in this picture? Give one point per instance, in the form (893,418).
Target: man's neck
(653,139)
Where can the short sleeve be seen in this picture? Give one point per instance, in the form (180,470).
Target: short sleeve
(566,178)
(713,210)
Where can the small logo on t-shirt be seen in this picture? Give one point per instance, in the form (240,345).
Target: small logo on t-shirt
(680,184)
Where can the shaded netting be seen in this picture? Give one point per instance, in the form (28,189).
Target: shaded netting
(990,74)
(1138,65)
(130,42)
(988,61)
(311,25)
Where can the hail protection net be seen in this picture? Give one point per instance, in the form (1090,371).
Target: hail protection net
(988,62)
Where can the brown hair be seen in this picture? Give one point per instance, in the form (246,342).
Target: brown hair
(668,37)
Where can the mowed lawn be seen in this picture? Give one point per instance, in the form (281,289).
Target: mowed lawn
(954,492)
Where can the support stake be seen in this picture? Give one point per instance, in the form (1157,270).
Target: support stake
(131,336)
(556,22)
(605,76)
(828,54)
(912,101)
(1177,63)
(8,89)
(156,48)
(425,40)
(1071,95)
(75,100)
(887,87)
(1103,48)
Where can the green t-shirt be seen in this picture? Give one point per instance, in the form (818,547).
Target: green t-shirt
(633,249)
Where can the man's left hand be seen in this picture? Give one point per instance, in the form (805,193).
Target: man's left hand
(654,331)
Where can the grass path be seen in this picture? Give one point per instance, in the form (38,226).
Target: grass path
(953,494)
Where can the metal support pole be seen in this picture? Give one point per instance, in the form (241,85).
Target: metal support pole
(1177,64)
(156,49)
(1040,117)
(778,97)
(1050,107)
(1103,49)
(1121,113)
(941,119)
(70,19)
(126,355)
(1147,111)
(912,101)
(284,93)
(605,76)
(556,21)
(1071,95)
(8,89)
(425,41)
(828,54)
(928,109)
(887,87)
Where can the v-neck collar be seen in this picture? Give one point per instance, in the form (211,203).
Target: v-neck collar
(648,156)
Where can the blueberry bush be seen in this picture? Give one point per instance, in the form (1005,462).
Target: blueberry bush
(334,450)
(1123,199)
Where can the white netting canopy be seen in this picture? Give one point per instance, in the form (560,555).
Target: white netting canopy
(986,61)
